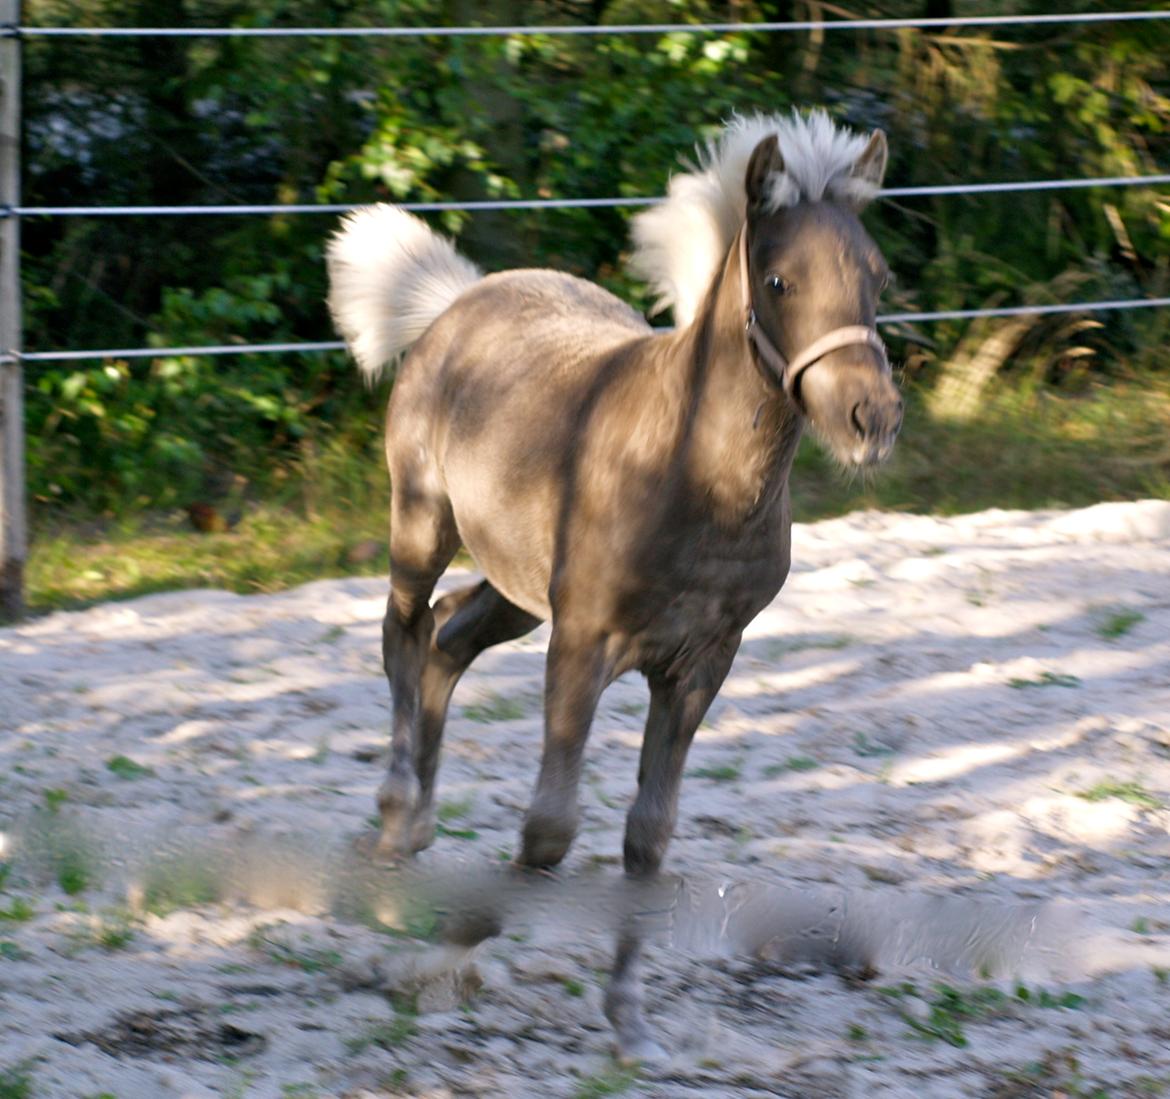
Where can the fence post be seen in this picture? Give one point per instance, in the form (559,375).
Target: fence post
(13,528)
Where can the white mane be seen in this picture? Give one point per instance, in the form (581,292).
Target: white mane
(680,243)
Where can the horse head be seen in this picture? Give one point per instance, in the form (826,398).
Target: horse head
(811,277)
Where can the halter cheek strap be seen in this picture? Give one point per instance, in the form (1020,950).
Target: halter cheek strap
(787,371)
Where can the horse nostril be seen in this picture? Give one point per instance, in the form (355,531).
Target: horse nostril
(856,418)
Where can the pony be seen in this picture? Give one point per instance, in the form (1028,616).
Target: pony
(627,483)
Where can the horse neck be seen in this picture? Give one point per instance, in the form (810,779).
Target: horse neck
(745,429)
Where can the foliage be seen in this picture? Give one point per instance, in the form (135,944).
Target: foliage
(198,120)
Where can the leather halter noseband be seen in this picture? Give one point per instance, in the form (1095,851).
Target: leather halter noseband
(787,371)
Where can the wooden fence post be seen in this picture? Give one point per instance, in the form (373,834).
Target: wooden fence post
(13,522)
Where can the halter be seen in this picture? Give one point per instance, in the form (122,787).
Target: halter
(788,372)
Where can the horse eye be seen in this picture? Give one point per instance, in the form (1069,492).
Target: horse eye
(781,286)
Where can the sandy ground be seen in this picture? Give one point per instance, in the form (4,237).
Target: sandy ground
(952,732)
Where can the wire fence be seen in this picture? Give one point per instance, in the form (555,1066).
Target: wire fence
(14,36)
(939,23)
(884,320)
(283,209)
(1008,187)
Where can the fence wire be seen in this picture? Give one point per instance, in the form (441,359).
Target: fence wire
(948,23)
(1007,187)
(942,23)
(337,345)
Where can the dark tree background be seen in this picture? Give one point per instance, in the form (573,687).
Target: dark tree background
(202,120)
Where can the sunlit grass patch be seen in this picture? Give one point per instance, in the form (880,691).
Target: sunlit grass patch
(456,833)
(386,1035)
(613,1081)
(126,768)
(79,563)
(495,707)
(726,772)
(109,930)
(1045,679)
(1028,447)
(781,647)
(180,880)
(792,763)
(455,809)
(18,910)
(276,943)
(15,1082)
(325,516)
(867,747)
(1117,623)
(1133,792)
(951,1008)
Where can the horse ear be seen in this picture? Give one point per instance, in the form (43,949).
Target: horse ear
(765,162)
(869,169)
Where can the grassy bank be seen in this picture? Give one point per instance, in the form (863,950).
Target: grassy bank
(1024,450)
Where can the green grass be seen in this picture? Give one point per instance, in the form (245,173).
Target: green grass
(125,767)
(614,1081)
(15,1083)
(782,647)
(792,763)
(863,746)
(1045,679)
(74,873)
(18,911)
(10,951)
(727,772)
(952,1008)
(389,1035)
(1030,447)
(1132,792)
(493,707)
(455,810)
(308,959)
(76,560)
(456,833)
(186,880)
(1118,623)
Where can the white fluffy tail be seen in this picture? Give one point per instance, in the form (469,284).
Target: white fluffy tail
(390,276)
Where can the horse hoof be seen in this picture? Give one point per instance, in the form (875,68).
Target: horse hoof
(545,840)
(422,832)
(640,1050)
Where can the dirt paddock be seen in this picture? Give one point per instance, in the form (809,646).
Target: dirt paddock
(933,712)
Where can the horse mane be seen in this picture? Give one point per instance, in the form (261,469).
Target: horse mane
(680,243)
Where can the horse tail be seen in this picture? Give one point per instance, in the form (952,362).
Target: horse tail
(390,276)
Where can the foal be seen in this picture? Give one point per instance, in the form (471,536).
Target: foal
(628,485)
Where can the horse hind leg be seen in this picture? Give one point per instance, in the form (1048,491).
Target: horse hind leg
(467,621)
(423,539)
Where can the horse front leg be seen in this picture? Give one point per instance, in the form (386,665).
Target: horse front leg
(677,705)
(575,676)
